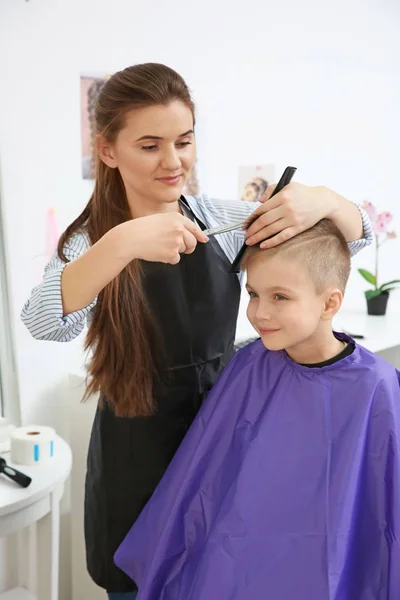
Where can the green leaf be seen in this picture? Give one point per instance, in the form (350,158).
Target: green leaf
(372,294)
(368,276)
(389,283)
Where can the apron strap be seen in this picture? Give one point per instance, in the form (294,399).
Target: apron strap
(187,211)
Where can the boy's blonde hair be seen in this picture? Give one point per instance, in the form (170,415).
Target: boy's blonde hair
(322,250)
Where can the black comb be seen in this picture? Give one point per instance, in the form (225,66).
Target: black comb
(284,180)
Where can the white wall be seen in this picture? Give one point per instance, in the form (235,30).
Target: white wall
(314,84)
(295,83)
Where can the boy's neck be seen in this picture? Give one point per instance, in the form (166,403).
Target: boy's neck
(320,347)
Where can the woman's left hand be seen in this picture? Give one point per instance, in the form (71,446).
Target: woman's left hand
(294,209)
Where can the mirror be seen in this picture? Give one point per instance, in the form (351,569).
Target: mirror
(9,393)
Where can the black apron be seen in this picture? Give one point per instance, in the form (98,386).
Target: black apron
(196,305)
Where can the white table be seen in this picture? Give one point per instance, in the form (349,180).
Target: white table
(380,333)
(24,507)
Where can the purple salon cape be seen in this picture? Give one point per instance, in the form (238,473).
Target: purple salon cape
(286,487)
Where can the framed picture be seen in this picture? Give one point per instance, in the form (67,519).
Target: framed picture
(90,88)
(254,180)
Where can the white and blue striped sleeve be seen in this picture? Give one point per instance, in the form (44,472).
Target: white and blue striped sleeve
(218,212)
(43,312)
(368,235)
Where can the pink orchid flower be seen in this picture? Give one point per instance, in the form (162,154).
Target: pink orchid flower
(379,222)
(382,222)
(370,210)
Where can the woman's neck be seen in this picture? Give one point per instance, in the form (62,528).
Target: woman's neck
(144,207)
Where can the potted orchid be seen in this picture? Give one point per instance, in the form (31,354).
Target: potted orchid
(378,296)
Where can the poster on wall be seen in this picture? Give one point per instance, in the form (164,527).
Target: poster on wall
(254,180)
(90,87)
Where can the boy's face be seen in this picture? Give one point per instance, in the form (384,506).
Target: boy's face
(284,307)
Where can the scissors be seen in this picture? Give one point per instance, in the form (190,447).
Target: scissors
(224,228)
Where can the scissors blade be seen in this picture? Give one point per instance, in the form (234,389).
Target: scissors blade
(224,228)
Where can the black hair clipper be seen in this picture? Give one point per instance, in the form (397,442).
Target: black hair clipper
(17,476)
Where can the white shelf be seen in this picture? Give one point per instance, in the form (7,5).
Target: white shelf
(17,594)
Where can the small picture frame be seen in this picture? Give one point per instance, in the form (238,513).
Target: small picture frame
(254,180)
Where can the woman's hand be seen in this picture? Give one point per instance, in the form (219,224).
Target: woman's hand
(159,238)
(297,208)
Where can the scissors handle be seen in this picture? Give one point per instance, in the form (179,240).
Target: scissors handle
(284,180)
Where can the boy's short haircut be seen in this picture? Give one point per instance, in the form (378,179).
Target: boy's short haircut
(322,250)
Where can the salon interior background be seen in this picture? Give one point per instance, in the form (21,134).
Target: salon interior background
(315,84)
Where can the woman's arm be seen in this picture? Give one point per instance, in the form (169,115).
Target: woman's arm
(158,237)
(84,278)
(297,208)
(345,214)
(42,313)
(57,308)
(214,212)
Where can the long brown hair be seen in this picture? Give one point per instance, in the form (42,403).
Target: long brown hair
(122,367)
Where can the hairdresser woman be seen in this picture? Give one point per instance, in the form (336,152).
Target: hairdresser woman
(160,300)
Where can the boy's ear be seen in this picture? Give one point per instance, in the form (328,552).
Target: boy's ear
(333,302)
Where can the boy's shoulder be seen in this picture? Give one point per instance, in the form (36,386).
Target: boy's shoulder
(375,371)
(373,362)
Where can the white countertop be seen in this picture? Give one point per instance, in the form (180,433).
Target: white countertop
(380,333)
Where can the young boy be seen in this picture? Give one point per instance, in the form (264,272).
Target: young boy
(287,485)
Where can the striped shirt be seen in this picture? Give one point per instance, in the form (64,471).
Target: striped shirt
(43,312)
